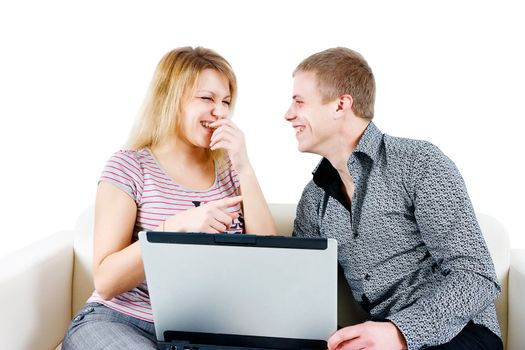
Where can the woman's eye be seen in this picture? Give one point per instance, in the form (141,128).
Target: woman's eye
(207,98)
(227,103)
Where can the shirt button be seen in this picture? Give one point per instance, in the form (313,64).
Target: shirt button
(367,277)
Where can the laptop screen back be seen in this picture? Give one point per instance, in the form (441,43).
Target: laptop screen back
(262,286)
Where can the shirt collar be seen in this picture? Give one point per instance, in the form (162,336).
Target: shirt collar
(325,174)
(369,144)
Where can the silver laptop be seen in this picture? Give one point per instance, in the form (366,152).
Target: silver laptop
(227,291)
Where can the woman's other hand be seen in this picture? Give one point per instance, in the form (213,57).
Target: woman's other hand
(212,217)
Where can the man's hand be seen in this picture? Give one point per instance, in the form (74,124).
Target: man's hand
(369,335)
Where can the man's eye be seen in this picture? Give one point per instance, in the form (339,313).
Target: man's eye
(299,102)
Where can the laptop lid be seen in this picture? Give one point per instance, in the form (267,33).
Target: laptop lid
(256,287)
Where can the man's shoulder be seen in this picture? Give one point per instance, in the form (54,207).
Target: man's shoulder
(312,190)
(311,195)
(408,148)
(395,142)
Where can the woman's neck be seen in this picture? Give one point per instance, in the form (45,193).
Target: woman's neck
(187,165)
(182,152)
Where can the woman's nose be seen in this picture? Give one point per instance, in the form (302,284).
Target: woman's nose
(220,111)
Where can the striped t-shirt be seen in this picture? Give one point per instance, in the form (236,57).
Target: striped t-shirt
(158,197)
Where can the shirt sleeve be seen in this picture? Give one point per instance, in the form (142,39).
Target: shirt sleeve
(306,223)
(450,230)
(123,170)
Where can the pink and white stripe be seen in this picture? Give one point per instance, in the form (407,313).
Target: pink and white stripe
(157,197)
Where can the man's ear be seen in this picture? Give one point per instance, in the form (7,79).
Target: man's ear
(344,105)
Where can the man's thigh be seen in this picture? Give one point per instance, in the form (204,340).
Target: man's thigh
(473,336)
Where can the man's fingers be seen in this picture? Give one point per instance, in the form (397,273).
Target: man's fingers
(342,335)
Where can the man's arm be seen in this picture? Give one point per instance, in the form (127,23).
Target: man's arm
(306,222)
(466,282)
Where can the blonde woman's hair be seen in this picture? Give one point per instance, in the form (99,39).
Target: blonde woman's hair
(341,71)
(174,81)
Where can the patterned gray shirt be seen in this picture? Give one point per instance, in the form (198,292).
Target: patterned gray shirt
(409,243)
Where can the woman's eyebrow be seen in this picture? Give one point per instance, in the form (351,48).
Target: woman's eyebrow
(212,93)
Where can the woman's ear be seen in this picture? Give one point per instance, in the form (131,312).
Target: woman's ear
(344,105)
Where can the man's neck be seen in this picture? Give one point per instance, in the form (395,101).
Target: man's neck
(346,144)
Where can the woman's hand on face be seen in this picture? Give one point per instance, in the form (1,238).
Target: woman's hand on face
(211,217)
(229,137)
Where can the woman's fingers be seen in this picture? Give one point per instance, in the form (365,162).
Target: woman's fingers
(219,217)
(230,138)
(223,123)
(224,219)
(220,222)
(228,202)
(221,145)
(224,134)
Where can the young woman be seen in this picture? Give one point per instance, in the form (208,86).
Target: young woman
(186,169)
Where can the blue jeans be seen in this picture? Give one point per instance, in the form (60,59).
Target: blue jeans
(99,327)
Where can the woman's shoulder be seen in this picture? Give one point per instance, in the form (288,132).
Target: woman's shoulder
(125,169)
(137,156)
(129,161)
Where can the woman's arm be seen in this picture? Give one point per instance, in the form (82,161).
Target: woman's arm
(257,216)
(117,263)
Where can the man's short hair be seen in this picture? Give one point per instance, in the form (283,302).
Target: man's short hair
(340,71)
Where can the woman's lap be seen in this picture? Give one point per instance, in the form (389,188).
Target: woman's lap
(99,327)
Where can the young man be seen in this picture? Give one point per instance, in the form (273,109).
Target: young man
(408,239)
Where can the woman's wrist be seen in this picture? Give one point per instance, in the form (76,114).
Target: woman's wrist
(246,170)
(172,224)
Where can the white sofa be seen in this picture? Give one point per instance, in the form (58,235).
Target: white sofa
(43,285)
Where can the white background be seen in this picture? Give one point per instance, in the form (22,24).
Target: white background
(73,75)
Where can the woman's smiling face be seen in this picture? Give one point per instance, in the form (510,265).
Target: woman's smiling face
(209,102)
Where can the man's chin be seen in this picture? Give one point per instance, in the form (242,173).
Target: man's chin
(303,149)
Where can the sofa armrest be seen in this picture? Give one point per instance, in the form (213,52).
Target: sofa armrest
(35,289)
(516,336)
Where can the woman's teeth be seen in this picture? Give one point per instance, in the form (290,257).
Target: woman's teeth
(207,125)
(299,129)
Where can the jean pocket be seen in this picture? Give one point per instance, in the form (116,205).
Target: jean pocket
(87,309)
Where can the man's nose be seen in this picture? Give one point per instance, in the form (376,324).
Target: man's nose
(289,115)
